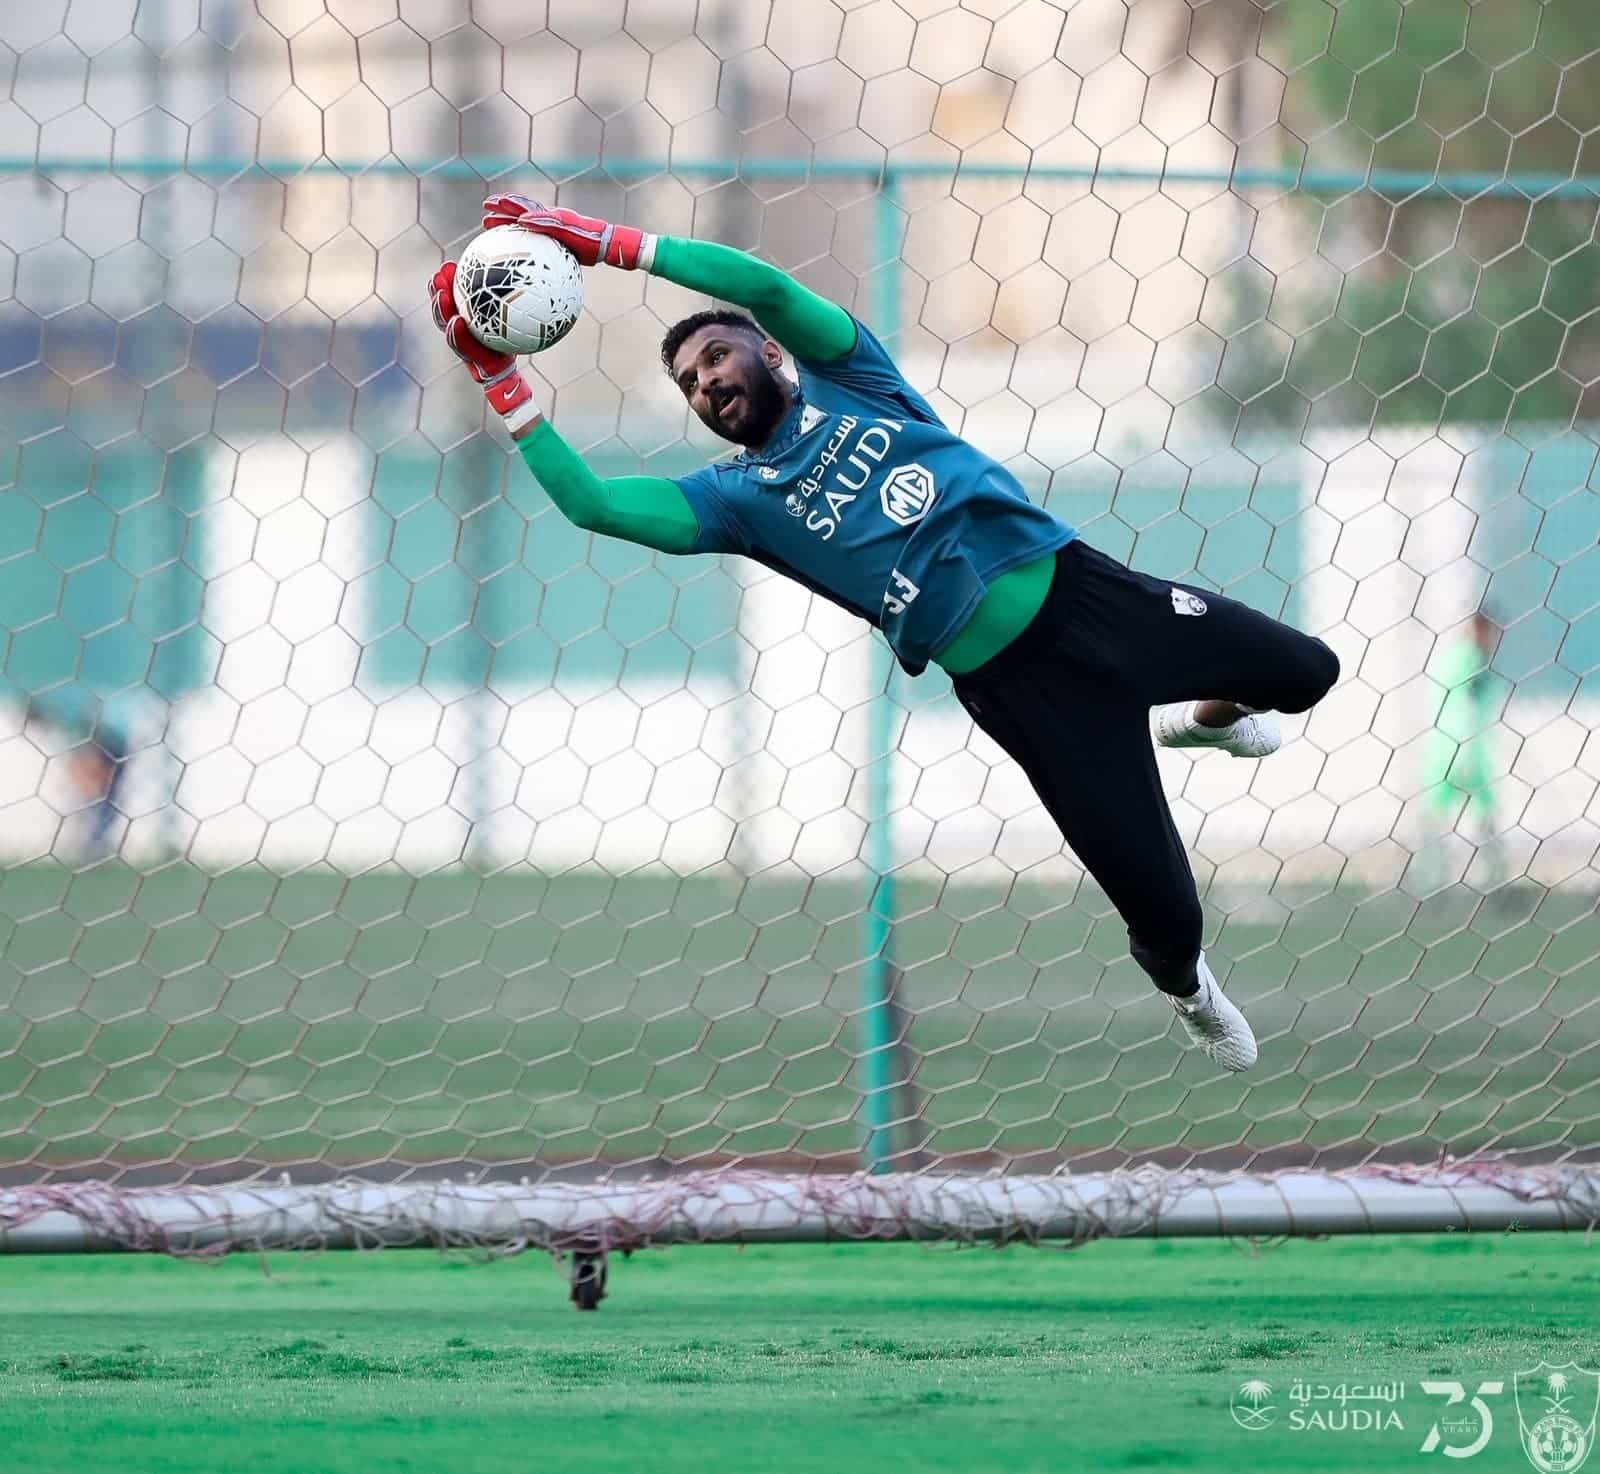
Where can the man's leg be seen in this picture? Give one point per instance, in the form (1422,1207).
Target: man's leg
(1233,660)
(1085,747)
(1242,650)
(1219,661)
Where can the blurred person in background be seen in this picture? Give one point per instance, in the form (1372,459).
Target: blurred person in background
(96,766)
(1457,784)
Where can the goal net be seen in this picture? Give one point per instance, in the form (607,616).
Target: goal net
(384,860)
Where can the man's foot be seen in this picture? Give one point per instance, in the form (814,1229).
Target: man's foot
(1215,1024)
(1253,735)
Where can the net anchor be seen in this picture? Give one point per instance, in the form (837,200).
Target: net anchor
(587,1273)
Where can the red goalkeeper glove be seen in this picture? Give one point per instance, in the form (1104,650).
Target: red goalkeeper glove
(594,242)
(503,385)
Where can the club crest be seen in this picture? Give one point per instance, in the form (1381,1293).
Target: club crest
(1183,602)
(1557,1407)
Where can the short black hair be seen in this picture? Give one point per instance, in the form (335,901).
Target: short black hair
(726,317)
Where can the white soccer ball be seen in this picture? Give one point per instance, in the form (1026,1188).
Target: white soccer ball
(519,291)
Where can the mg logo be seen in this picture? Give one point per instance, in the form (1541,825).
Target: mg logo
(907,493)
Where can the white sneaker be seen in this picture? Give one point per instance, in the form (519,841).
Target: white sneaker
(1215,1024)
(1255,735)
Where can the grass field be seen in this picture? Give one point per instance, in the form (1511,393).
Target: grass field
(832,1359)
(380,1021)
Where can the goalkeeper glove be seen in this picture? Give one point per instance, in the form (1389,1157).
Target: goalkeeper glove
(594,242)
(504,387)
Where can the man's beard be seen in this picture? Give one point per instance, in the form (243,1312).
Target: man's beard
(763,409)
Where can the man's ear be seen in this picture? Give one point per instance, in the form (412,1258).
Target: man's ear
(772,355)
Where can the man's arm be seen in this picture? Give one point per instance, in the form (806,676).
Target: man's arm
(809,326)
(641,509)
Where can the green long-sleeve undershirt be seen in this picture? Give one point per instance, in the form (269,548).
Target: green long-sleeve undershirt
(652,511)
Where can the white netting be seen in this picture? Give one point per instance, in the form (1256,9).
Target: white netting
(442,837)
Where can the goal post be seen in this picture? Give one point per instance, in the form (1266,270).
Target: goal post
(384,860)
(737,1206)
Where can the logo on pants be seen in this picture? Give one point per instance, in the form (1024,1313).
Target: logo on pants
(1183,602)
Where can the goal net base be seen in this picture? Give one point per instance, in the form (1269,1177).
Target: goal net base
(739,1206)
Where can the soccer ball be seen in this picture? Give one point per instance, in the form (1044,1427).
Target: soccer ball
(520,292)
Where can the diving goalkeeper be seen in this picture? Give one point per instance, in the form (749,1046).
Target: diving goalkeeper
(845,480)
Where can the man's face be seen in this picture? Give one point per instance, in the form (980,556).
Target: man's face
(730,377)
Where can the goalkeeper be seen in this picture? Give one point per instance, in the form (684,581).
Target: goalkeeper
(845,480)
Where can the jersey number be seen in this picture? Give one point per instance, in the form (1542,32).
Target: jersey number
(900,593)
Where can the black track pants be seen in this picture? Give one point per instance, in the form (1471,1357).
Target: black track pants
(1070,698)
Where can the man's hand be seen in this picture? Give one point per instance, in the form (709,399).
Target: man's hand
(503,385)
(594,242)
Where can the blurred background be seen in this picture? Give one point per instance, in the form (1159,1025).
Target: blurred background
(359,813)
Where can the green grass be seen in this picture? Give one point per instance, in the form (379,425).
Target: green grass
(252,1019)
(831,1359)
